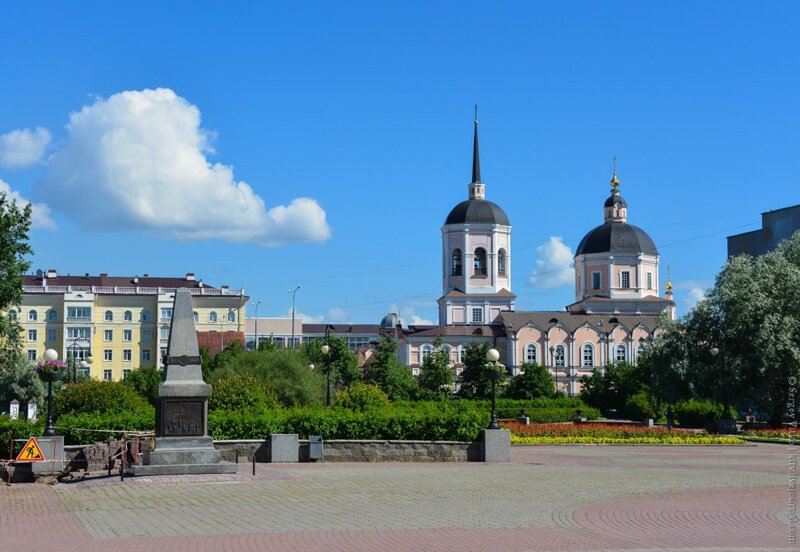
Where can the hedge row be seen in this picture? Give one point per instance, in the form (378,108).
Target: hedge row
(19,431)
(77,428)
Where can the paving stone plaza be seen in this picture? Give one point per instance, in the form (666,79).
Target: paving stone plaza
(548,498)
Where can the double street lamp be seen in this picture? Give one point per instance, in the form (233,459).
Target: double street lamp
(85,362)
(51,356)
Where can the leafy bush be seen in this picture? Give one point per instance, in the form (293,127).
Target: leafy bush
(145,382)
(19,430)
(694,413)
(99,397)
(75,426)
(533,383)
(241,392)
(642,406)
(541,410)
(431,421)
(362,396)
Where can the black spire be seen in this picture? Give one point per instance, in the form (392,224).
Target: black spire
(476,158)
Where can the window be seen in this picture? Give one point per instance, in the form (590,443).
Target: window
(166,313)
(447,351)
(106,375)
(596,281)
(196,317)
(108,355)
(649,280)
(127,355)
(146,316)
(145,355)
(624,279)
(75,333)
(33,316)
(127,316)
(79,312)
(620,353)
(588,355)
(212,316)
(459,353)
(427,350)
(163,333)
(127,335)
(457,262)
(52,336)
(501,262)
(12,314)
(147,336)
(108,335)
(479,262)
(560,356)
(231,316)
(639,349)
(477,314)
(530,353)
(52,315)
(31,335)
(108,316)
(163,352)
(125,373)
(32,355)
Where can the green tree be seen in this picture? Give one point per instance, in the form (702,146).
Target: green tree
(19,381)
(388,373)
(474,381)
(342,364)
(435,375)
(534,382)
(611,387)
(15,223)
(145,382)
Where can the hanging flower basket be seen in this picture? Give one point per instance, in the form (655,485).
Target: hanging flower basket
(50,370)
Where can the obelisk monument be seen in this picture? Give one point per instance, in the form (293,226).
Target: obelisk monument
(182,442)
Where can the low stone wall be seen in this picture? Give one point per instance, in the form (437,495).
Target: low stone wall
(340,450)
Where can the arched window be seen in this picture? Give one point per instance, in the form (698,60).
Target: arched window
(639,350)
(457,263)
(560,356)
(620,353)
(427,350)
(501,262)
(447,350)
(127,316)
(231,316)
(52,315)
(33,316)
(108,316)
(587,355)
(12,314)
(146,316)
(530,354)
(212,316)
(479,262)
(196,317)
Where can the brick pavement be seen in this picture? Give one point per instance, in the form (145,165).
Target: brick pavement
(548,498)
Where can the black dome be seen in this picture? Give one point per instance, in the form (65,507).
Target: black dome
(477,211)
(615,198)
(617,237)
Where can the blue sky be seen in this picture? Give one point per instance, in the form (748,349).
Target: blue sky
(365,108)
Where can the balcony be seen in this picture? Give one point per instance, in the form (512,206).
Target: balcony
(79,319)
(165,320)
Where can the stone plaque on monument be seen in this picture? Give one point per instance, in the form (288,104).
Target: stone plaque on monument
(182,442)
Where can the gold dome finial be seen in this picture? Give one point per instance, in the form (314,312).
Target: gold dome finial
(669,281)
(614,179)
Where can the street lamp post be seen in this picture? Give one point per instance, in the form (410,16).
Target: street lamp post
(50,355)
(294,293)
(555,364)
(257,304)
(88,359)
(492,355)
(326,349)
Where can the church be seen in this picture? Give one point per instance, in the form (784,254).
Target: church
(617,301)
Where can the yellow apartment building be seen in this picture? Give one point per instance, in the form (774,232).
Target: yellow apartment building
(121,322)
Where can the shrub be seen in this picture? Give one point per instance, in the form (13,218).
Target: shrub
(362,396)
(75,426)
(145,382)
(98,397)
(642,406)
(18,430)
(533,383)
(541,410)
(240,392)
(694,413)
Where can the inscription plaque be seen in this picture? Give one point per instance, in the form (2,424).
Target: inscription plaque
(183,418)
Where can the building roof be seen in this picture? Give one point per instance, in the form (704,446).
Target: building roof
(214,342)
(477,211)
(617,237)
(455,331)
(338,329)
(104,280)
(615,198)
(458,293)
(545,320)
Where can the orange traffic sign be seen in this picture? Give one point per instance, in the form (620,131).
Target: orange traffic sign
(30,452)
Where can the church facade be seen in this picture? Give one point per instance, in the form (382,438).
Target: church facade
(617,300)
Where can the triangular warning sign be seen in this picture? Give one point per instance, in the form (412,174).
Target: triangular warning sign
(30,452)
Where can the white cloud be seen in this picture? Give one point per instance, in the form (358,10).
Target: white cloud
(137,161)
(23,148)
(691,284)
(40,215)
(409,313)
(553,265)
(332,316)
(692,296)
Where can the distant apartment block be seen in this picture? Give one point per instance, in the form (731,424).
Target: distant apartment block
(776,226)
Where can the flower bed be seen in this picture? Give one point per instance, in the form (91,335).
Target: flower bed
(786,435)
(605,434)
